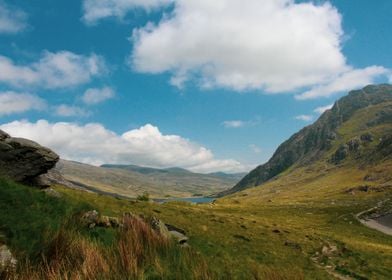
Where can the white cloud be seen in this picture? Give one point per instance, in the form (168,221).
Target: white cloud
(94,144)
(346,81)
(94,10)
(322,109)
(305,118)
(256,149)
(268,44)
(234,124)
(54,70)
(64,110)
(97,95)
(12,20)
(12,103)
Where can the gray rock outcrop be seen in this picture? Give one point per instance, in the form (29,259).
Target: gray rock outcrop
(23,160)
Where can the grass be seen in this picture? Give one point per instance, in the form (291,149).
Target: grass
(260,230)
(277,231)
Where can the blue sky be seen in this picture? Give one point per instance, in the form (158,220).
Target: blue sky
(182,83)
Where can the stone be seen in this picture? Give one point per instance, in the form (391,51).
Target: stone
(179,237)
(7,260)
(53,193)
(90,218)
(366,137)
(292,244)
(23,160)
(340,154)
(353,145)
(329,250)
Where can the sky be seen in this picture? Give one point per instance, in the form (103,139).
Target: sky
(204,85)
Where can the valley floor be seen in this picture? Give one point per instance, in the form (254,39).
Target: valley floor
(269,232)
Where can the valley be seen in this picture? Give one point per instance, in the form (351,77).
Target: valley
(319,209)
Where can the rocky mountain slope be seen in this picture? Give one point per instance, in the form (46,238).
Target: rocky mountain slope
(359,127)
(131,180)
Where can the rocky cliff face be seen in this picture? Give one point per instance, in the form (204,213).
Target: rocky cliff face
(23,160)
(313,141)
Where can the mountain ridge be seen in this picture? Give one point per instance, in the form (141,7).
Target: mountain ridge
(315,140)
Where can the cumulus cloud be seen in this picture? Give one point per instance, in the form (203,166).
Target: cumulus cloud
(54,70)
(270,45)
(94,96)
(346,81)
(322,109)
(93,143)
(13,102)
(94,10)
(64,110)
(305,118)
(12,20)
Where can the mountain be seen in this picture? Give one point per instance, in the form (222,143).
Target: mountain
(132,180)
(358,127)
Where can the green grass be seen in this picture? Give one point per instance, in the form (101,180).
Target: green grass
(29,217)
(276,231)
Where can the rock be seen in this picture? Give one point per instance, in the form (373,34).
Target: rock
(329,250)
(179,237)
(366,137)
(7,260)
(51,192)
(104,221)
(90,218)
(114,222)
(169,231)
(353,145)
(23,160)
(159,226)
(340,154)
(292,244)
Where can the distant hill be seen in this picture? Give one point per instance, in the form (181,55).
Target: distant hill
(132,180)
(356,131)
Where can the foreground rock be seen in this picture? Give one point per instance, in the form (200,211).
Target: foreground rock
(92,219)
(7,260)
(23,160)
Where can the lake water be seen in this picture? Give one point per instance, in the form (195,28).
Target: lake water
(196,200)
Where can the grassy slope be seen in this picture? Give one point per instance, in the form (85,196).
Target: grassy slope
(50,243)
(236,235)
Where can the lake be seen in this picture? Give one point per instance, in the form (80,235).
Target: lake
(196,200)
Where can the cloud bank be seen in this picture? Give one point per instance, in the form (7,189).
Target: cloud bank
(93,143)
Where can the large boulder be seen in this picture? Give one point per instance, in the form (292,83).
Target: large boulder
(23,160)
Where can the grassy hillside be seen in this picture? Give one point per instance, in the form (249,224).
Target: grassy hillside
(131,181)
(300,226)
(50,242)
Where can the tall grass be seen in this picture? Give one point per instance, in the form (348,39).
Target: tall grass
(139,252)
